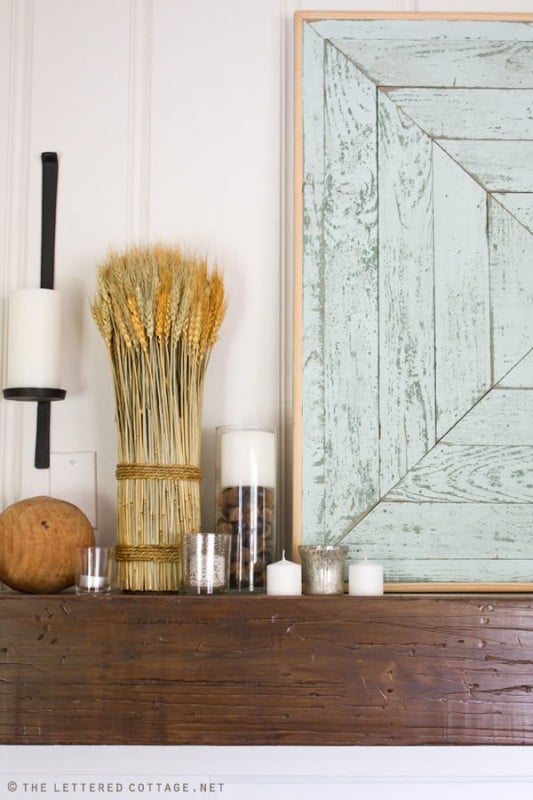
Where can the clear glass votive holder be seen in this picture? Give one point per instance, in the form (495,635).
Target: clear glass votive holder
(323,568)
(205,562)
(245,501)
(94,570)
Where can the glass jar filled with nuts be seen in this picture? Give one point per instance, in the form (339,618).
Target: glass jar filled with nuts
(245,501)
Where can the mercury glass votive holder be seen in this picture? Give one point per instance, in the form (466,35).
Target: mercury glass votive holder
(205,562)
(323,568)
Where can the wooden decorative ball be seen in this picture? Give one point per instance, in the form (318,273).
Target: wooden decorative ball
(38,540)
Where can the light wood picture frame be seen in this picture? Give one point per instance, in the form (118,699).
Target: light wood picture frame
(413,287)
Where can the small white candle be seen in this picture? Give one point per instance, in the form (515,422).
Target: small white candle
(284,577)
(34,339)
(365,578)
(92,582)
(247,458)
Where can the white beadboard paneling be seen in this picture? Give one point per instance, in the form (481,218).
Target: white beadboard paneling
(80,79)
(406,320)
(462,318)
(16,98)
(215,186)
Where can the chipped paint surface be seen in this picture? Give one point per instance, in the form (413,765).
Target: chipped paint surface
(418,295)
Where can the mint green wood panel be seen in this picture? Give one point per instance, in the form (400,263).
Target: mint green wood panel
(340,295)
(499,166)
(521,376)
(511,278)
(462,302)
(431,31)
(429,300)
(314,399)
(435,63)
(350,311)
(468,113)
(406,353)
(448,541)
(501,417)
(520,206)
(470,473)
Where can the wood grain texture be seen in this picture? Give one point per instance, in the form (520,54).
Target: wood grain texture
(511,278)
(520,206)
(312,498)
(468,113)
(413,538)
(499,166)
(441,63)
(462,299)
(502,417)
(169,670)
(520,376)
(470,473)
(406,327)
(350,311)
(455,289)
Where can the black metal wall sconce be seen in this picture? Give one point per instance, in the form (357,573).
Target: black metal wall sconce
(34,335)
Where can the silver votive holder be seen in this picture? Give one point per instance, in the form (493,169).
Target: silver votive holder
(205,562)
(323,568)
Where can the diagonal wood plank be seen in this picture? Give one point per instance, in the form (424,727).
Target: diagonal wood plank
(441,63)
(351,295)
(511,278)
(407,371)
(520,376)
(447,541)
(313,392)
(340,298)
(468,113)
(470,473)
(502,417)
(441,31)
(462,302)
(519,205)
(499,166)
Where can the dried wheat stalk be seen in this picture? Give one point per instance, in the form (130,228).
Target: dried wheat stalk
(159,311)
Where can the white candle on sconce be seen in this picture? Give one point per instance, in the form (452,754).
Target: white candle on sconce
(247,457)
(34,339)
(365,578)
(284,577)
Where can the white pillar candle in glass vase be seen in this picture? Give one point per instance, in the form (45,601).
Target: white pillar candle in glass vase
(245,501)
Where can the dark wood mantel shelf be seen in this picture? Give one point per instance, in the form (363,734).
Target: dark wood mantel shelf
(234,670)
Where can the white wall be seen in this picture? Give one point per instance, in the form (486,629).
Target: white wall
(172,119)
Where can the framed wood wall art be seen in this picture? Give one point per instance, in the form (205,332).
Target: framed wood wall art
(414,294)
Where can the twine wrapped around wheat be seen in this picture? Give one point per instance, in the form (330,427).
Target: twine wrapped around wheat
(159,311)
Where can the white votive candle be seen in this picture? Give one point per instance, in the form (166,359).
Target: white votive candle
(284,577)
(365,578)
(34,339)
(94,582)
